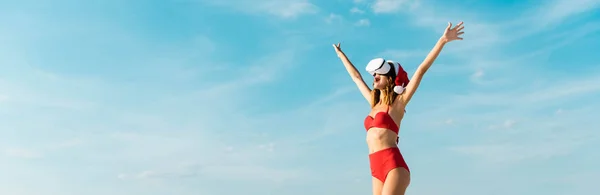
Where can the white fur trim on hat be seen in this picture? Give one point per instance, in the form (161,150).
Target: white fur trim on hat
(398,89)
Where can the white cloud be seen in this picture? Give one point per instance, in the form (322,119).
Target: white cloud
(559,111)
(509,123)
(516,146)
(355,10)
(333,18)
(268,147)
(509,152)
(289,9)
(22,153)
(171,139)
(100,121)
(517,126)
(554,12)
(229,149)
(529,95)
(253,173)
(478,74)
(363,22)
(3,98)
(283,9)
(251,157)
(37,151)
(70,143)
(391,6)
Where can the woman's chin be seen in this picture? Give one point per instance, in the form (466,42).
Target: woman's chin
(377,87)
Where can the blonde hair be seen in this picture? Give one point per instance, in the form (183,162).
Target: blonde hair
(388,93)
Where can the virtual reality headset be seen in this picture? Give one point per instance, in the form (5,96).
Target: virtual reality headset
(381,66)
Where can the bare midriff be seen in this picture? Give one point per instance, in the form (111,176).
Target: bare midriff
(380,138)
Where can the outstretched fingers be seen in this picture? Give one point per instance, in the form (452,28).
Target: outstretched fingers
(459,25)
(458,29)
(337,46)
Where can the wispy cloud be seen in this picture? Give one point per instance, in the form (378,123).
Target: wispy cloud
(134,117)
(555,12)
(363,22)
(391,6)
(38,151)
(536,139)
(333,18)
(22,153)
(283,9)
(356,10)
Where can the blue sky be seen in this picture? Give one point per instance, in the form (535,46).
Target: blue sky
(248,96)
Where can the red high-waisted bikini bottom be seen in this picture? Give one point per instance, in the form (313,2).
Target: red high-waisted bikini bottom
(384,161)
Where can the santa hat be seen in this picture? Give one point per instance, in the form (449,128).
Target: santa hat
(382,66)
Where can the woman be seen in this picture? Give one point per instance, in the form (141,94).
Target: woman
(392,92)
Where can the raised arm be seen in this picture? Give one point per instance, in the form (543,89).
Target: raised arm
(450,34)
(354,74)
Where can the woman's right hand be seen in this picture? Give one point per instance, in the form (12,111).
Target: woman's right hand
(338,50)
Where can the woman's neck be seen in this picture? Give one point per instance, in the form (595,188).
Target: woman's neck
(382,97)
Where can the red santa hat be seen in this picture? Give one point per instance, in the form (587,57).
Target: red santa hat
(382,66)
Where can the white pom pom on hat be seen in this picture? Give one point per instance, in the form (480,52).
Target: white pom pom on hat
(398,89)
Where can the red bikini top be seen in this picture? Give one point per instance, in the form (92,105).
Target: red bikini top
(382,120)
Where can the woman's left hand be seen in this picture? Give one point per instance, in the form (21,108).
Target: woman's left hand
(452,34)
